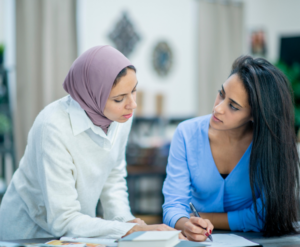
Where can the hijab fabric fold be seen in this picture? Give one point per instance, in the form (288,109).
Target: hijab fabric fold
(90,80)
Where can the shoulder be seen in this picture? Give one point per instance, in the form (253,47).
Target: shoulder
(191,126)
(54,118)
(192,130)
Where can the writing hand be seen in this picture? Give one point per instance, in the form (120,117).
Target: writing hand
(193,229)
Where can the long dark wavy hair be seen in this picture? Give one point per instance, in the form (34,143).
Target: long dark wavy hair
(274,160)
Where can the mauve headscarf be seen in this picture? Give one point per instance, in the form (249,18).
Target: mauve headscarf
(90,80)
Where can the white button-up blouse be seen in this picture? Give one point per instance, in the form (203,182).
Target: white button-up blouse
(69,163)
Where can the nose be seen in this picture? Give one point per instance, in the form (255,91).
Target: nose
(132,102)
(219,108)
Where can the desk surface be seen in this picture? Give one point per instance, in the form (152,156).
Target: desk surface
(285,241)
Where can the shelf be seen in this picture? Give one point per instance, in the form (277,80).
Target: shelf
(142,170)
(7,142)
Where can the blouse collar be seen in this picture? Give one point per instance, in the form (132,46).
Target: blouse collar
(81,122)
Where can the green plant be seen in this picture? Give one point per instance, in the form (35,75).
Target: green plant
(293,75)
(5,125)
(1,53)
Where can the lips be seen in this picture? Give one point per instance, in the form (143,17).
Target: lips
(128,115)
(216,119)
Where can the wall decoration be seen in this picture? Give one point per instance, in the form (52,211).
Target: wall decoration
(258,43)
(162,58)
(124,36)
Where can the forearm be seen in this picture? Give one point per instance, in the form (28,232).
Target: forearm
(219,220)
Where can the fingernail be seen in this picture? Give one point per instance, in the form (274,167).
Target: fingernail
(206,234)
(209,231)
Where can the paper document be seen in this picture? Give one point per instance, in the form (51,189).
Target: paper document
(58,242)
(7,244)
(156,235)
(105,241)
(226,240)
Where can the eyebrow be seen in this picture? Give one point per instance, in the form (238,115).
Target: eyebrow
(231,99)
(124,93)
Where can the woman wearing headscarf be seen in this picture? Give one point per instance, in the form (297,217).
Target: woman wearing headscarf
(75,155)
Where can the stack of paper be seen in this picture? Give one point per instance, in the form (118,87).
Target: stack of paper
(150,239)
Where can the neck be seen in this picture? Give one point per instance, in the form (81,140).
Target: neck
(236,135)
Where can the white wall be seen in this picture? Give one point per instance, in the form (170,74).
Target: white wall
(277,17)
(171,20)
(2,17)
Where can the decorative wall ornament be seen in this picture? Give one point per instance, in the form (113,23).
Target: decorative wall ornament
(162,58)
(258,43)
(124,35)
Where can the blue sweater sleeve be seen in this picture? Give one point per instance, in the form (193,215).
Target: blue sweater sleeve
(177,186)
(245,219)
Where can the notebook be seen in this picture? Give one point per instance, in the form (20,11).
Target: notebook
(150,239)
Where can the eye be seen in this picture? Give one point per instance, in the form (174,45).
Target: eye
(221,94)
(118,101)
(233,108)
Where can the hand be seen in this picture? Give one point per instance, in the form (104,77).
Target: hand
(161,227)
(138,221)
(193,229)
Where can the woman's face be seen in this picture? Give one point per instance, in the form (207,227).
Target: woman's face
(121,101)
(231,109)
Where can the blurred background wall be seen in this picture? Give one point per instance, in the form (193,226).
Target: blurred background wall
(276,18)
(173,22)
(2,16)
(46,47)
(183,51)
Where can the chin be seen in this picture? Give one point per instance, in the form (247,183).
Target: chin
(215,126)
(122,120)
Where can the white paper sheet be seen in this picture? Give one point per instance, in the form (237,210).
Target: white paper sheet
(228,240)
(105,241)
(156,235)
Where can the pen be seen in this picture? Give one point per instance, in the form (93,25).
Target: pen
(197,215)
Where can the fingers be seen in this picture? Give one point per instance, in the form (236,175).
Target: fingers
(193,226)
(210,227)
(139,221)
(193,229)
(199,221)
(195,237)
(143,223)
(204,223)
(164,227)
(160,227)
